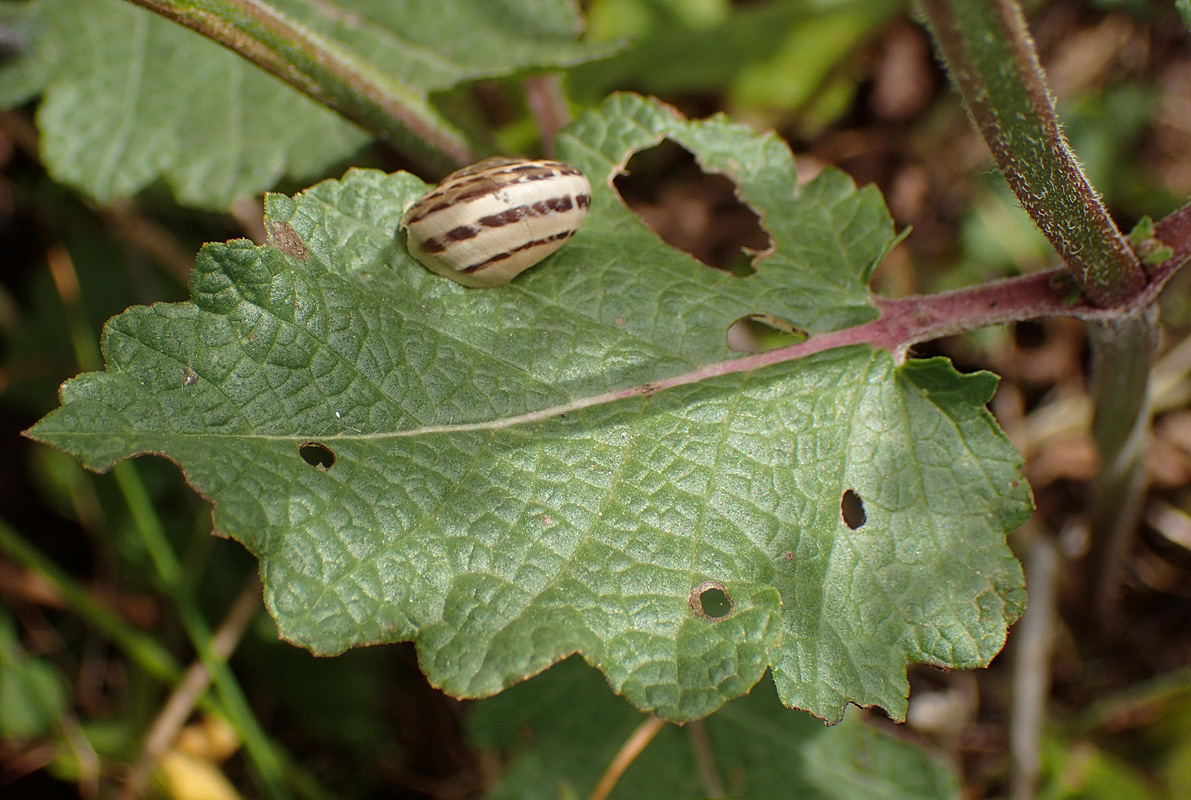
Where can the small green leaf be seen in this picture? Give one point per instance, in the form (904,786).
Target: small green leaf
(1143,230)
(1157,256)
(495,474)
(1151,250)
(32,692)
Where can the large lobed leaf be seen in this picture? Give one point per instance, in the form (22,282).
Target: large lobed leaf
(508,489)
(131,97)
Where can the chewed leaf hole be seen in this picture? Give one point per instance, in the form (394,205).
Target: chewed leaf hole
(852,509)
(692,210)
(757,333)
(317,455)
(710,599)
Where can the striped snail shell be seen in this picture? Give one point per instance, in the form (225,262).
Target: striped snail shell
(485,224)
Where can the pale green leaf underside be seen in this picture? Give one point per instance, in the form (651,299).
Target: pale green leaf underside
(131,97)
(501,548)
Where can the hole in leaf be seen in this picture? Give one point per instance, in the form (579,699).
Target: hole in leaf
(317,455)
(1029,335)
(852,509)
(757,333)
(1163,562)
(692,210)
(710,599)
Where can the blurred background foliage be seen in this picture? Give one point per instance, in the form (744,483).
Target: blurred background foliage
(846,82)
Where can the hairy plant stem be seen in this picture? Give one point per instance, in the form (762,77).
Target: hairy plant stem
(992,61)
(325,71)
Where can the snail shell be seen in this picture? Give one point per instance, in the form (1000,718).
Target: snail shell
(485,224)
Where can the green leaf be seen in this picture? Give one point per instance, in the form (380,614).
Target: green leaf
(32,692)
(1083,771)
(564,727)
(437,44)
(498,474)
(773,55)
(24,69)
(131,97)
(1144,241)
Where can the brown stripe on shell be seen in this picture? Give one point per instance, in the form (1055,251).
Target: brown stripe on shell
(560,204)
(553,205)
(460,234)
(441,243)
(561,236)
(454,195)
(476,181)
(508,217)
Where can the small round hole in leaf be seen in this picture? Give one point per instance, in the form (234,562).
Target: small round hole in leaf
(852,509)
(758,333)
(710,599)
(692,210)
(317,454)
